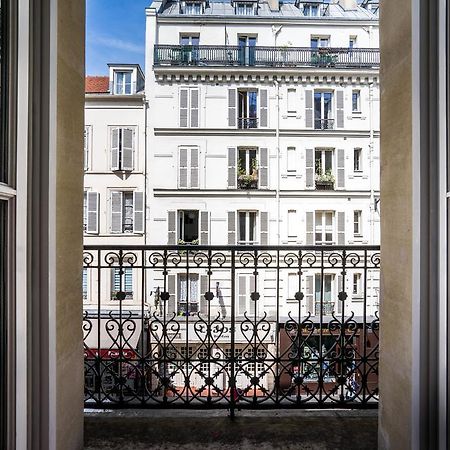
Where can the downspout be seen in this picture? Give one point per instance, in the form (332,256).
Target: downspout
(146,188)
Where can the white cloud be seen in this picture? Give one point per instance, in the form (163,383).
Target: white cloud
(115,43)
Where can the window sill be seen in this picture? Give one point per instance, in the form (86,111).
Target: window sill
(358,174)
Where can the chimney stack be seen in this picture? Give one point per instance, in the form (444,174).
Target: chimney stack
(274,5)
(348,5)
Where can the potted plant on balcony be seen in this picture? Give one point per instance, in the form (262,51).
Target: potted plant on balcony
(248,180)
(325,180)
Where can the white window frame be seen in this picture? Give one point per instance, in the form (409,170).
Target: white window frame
(122,192)
(189,108)
(186,7)
(322,41)
(323,229)
(357,285)
(87,146)
(121,128)
(357,223)
(245,8)
(245,115)
(357,160)
(189,166)
(127,271)
(352,42)
(309,8)
(323,151)
(116,84)
(332,280)
(291,160)
(291,100)
(331,115)
(356,92)
(292,224)
(180,230)
(190,278)
(247,214)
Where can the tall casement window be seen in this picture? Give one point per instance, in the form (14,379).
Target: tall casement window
(188,168)
(188,226)
(247,108)
(122,148)
(292,101)
(356,101)
(122,282)
(311,9)
(292,225)
(193,8)
(188,294)
(356,285)
(352,41)
(357,223)
(323,114)
(323,294)
(247,227)
(324,170)
(320,41)
(87,146)
(247,50)
(357,159)
(248,168)
(243,227)
(291,161)
(188,232)
(122,82)
(246,8)
(189,49)
(189,107)
(90,212)
(246,286)
(127,212)
(322,228)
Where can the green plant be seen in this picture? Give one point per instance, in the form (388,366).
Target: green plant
(194,242)
(326,176)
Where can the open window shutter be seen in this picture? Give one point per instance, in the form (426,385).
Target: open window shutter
(309,109)
(231,228)
(232,177)
(171,227)
(115,149)
(242,291)
(340,168)
(86,147)
(341,228)
(264,228)
(171,307)
(183,168)
(231,107)
(263,168)
(203,291)
(127,149)
(309,296)
(184,101)
(339,302)
(138,211)
(194,169)
(92,212)
(339,108)
(309,164)
(194,108)
(116,212)
(204,227)
(263,108)
(310,228)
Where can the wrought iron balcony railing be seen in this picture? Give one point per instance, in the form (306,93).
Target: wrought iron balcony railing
(229,327)
(226,55)
(324,124)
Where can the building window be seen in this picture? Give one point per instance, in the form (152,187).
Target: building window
(247,109)
(188,294)
(127,212)
(122,82)
(324,227)
(292,224)
(90,212)
(352,42)
(188,168)
(357,162)
(192,8)
(320,42)
(247,46)
(326,296)
(323,119)
(247,176)
(356,101)
(189,50)
(87,144)
(189,107)
(356,288)
(247,227)
(122,149)
(245,8)
(357,223)
(122,282)
(291,160)
(311,9)
(291,101)
(323,164)
(188,227)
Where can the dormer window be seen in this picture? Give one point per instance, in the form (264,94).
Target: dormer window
(192,8)
(246,8)
(122,82)
(311,9)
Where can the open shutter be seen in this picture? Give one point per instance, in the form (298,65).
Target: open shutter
(184,102)
(194,108)
(340,286)
(263,168)
(171,307)
(86,147)
(340,168)
(231,228)
(242,297)
(310,228)
(341,228)
(203,291)
(138,211)
(309,109)
(194,169)
(183,168)
(115,149)
(127,149)
(263,108)
(309,296)
(340,108)
(231,107)
(116,212)
(171,227)
(264,240)
(204,227)
(92,212)
(232,177)
(309,165)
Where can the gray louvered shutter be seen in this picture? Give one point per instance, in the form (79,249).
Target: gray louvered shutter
(340,287)
(171,304)
(127,149)
(194,169)
(242,297)
(340,168)
(115,149)
(340,108)
(310,228)
(183,168)
(309,166)
(138,212)
(194,107)
(203,291)
(341,228)
(264,228)
(171,227)
(263,108)
(92,212)
(116,212)
(184,104)
(263,168)
(309,109)
(204,227)
(231,107)
(232,176)
(309,296)
(231,227)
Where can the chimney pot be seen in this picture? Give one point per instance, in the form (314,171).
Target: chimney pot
(274,5)
(348,5)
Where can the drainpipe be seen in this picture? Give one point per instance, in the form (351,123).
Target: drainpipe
(146,188)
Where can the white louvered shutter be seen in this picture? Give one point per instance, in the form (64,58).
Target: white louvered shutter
(138,211)
(242,294)
(341,228)
(309,296)
(116,212)
(264,228)
(204,227)
(340,168)
(263,168)
(309,167)
(310,228)
(340,287)
(339,108)
(231,227)
(232,176)
(115,165)
(87,138)
(203,291)
(92,212)
(263,108)
(183,168)
(309,123)
(194,107)
(171,307)
(127,149)
(171,227)
(194,168)
(232,107)
(184,107)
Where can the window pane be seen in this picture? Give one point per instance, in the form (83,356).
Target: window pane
(252,226)
(329,219)
(242,226)
(190,225)
(127,211)
(328,161)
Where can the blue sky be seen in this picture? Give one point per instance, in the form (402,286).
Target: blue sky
(115,32)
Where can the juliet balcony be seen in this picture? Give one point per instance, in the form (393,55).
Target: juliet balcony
(240,56)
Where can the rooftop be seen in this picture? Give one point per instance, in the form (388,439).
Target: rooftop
(96,84)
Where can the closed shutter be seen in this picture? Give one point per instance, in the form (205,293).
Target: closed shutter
(86,147)
(231,107)
(340,288)
(204,227)
(231,228)
(138,211)
(203,291)
(309,109)
(115,149)
(309,296)
(310,228)
(116,212)
(263,168)
(171,227)
(171,307)
(194,108)
(127,149)
(184,102)
(194,169)
(232,177)
(264,228)
(340,168)
(340,109)
(92,212)
(341,227)
(242,294)
(183,168)
(309,165)
(263,108)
